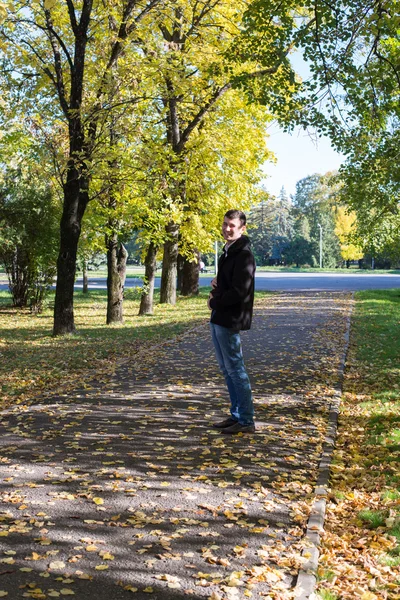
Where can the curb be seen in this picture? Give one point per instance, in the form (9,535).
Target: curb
(307,577)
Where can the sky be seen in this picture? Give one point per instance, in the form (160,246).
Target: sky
(298,155)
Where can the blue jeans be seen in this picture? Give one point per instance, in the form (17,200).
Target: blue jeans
(228,349)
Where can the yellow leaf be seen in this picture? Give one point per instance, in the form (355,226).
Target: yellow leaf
(67,592)
(98,501)
(101,567)
(3,13)
(57,564)
(3,593)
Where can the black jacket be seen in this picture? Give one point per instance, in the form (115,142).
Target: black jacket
(232,300)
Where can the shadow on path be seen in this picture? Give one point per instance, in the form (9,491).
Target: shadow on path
(125,487)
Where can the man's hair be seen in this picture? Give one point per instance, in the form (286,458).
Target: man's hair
(236,214)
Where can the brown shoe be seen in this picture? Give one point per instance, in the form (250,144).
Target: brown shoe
(238,428)
(227,423)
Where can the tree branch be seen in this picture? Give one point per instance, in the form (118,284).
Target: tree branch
(85,16)
(200,115)
(72,17)
(50,29)
(57,66)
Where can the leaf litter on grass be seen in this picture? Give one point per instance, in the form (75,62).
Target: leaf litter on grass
(33,362)
(124,488)
(360,556)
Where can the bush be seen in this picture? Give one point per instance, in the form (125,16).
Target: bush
(29,225)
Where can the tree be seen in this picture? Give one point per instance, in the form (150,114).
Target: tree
(300,252)
(345,229)
(193,57)
(29,216)
(221,168)
(224,161)
(355,58)
(352,50)
(282,227)
(315,199)
(260,225)
(58,60)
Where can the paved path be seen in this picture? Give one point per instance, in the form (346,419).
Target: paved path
(125,488)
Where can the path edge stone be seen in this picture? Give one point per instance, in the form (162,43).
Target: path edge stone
(307,576)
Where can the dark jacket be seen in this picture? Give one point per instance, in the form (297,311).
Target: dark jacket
(232,299)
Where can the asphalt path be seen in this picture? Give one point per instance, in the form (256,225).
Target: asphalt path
(124,487)
(281,282)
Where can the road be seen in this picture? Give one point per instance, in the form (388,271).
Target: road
(284,282)
(267,281)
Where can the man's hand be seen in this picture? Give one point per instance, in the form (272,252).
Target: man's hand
(214,287)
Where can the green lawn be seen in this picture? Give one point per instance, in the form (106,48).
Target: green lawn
(33,361)
(363,518)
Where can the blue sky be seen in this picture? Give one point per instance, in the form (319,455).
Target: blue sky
(298,155)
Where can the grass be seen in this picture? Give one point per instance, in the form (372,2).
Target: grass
(373,518)
(33,361)
(326,595)
(363,519)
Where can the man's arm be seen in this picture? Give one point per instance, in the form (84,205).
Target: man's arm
(214,287)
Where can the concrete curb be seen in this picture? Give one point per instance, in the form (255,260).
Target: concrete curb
(307,577)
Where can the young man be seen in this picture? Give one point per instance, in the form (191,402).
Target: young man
(231,303)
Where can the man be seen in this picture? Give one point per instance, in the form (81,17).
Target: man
(231,302)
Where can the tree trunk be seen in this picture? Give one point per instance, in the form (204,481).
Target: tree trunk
(116,272)
(122,262)
(179,265)
(146,301)
(66,267)
(190,278)
(85,286)
(75,202)
(18,279)
(169,268)
(76,198)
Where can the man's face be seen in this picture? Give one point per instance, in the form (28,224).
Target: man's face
(232,229)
